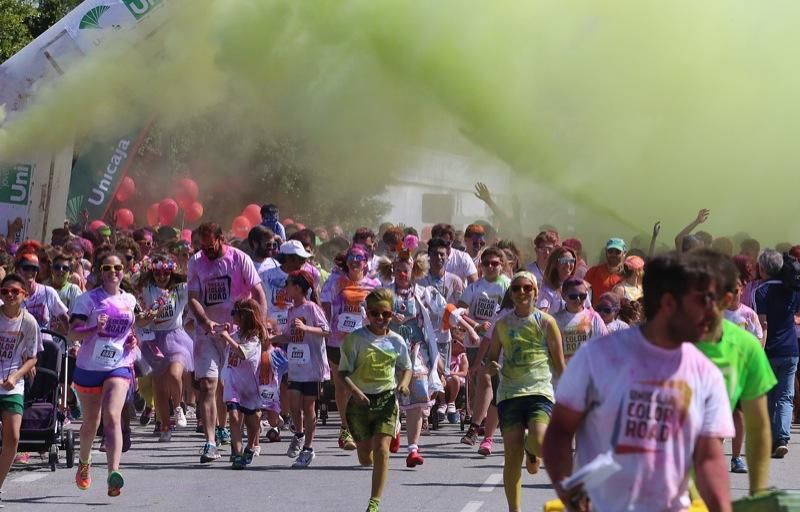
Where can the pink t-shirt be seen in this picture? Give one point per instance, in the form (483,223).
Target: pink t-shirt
(308,361)
(222,281)
(105,350)
(348,308)
(649,406)
(240,375)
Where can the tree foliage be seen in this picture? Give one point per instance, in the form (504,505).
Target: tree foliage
(22,21)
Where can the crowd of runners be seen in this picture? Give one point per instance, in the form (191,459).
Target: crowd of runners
(403,330)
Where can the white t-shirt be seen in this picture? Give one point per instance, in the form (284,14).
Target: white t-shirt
(174,303)
(617,325)
(746,318)
(460,264)
(274,283)
(19,341)
(483,298)
(44,304)
(534,269)
(265,265)
(578,328)
(649,406)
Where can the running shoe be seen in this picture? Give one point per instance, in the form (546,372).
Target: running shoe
(223,436)
(157,429)
(22,458)
(414,459)
(199,428)
(146,417)
(247,456)
(346,440)
(257,450)
(209,453)
(180,417)
(780,451)
(295,446)
(82,477)
(191,412)
(471,437)
(165,437)
(486,446)
(532,463)
(394,445)
(273,435)
(238,462)
(374,505)
(102,447)
(304,459)
(115,484)
(426,428)
(451,408)
(75,410)
(738,465)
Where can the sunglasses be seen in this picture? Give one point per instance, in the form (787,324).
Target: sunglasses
(386,315)
(615,252)
(545,248)
(163,265)
(493,263)
(129,257)
(11,292)
(479,242)
(111,268)
(577,296)
(606,311)
(516,288)
(61,268)
(29,268)
(271,245)
(566,261)
(146,243)
(358,258)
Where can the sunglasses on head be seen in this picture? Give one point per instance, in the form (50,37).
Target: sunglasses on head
(61,268)
(164,265)
(606,310)
(11,292)
(386,315)
(566,260)
(492,263)
(29,268)
(516,288)
(577,296)
(111,268)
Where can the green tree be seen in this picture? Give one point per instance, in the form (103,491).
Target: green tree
(14,30)
(48,12)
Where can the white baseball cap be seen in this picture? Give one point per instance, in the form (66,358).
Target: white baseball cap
(294,247)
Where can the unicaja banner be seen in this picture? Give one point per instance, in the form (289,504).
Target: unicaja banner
(97,174)
(15,194)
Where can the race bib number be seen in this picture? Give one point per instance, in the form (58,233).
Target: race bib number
(486,308)
(281,319)
(217,291)
(298,353)
(147,335)
(107,355)
(269,392)
(349,322)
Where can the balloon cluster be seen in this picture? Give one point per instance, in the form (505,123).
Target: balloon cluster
(250,216)
(184,198)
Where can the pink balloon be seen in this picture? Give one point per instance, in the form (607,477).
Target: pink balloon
(287,221)
(126,189)
(194,212)
(167,211)
(241,226)
(152,214)
(253,214)
(300,226)
(96,224)
(186,192)
(186,234)
(124,218)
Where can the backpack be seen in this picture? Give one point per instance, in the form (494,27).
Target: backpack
(790,272)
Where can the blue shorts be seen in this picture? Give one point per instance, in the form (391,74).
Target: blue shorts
(88,381)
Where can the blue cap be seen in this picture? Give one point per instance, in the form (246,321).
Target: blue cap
(617,243)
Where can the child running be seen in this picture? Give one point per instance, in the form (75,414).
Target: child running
(240,376)
(308,362)
(369,358)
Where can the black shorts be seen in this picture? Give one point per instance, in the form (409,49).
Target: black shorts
(522,410)
(305,388)
(234,406)
(334,354)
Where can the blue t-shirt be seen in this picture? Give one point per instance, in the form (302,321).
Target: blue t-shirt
(779,304)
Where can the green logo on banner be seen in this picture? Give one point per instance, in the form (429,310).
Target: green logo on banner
(139,8)
(15,184)
(92,18)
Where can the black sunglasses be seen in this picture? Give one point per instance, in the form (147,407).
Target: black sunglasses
(386,315)
(606,311)
(576,296)
(61,268)
(516,288)
(29,268)
(129,257)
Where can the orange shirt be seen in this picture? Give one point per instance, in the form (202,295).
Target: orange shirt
(602,281)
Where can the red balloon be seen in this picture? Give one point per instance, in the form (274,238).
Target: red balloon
(126,189)
(186,192)
(253,213)
(194,212)
(241,226)
(167,211)
(186,234)
(288,221)
(96,224)
(152,214)
(124,218)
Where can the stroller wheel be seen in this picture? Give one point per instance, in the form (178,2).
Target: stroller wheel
(52,459)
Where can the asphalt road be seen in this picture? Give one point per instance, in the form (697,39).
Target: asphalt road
(169,476)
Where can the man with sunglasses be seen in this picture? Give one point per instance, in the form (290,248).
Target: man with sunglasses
(264,247)
(604,277)
(649,397)
(458,262)
(42,301)
(219,275)
(475,241)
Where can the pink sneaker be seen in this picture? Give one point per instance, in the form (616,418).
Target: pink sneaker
(486,446)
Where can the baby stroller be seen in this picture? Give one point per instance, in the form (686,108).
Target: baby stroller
(42,427)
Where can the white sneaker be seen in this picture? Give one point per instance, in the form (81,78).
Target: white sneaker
(165,436)
(180,417)
(451,408)
(295,446)
(257,450)
(441,408)
(191,412)
(305,458)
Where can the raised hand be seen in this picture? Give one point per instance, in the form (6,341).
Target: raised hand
(702,215)
(656,229)
(482,192)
